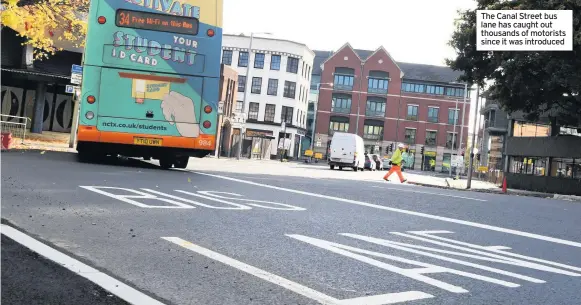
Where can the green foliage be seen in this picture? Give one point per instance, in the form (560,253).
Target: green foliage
(532,82)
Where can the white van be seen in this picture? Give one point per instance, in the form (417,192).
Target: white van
(347,150)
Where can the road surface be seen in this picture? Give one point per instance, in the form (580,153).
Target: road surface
(213,237)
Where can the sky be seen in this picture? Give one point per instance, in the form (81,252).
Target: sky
(414,31)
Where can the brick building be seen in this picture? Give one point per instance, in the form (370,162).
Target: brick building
(228,88)
(395,102)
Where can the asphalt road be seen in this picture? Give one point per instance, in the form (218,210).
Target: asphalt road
(30,279)
(295,240)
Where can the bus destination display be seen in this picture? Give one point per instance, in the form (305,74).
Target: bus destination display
(156,22)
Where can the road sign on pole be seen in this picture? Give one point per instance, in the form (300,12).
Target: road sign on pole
(70,89)
(76,78)
(77,69)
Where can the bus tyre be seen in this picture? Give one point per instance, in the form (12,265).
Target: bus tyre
(165,163)
(181,162)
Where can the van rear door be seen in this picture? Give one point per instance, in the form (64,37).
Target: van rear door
(343,148)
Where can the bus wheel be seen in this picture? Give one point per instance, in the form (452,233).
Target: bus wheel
(181,162)
(165,163)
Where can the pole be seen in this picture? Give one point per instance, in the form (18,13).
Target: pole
(469,182)
(75,124)
(462,127)
(454,134)
(283,140)
(359,100)
(246,89)
(315,104)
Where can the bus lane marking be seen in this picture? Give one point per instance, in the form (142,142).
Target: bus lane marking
(185,203)
(389,298)
(408,212)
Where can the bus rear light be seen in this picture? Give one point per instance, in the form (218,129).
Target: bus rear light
(90,99)
(208,109)
(210,32)
(207,124)
(89,115)
(101,19)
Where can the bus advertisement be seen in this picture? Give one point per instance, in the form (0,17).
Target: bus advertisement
(151,73)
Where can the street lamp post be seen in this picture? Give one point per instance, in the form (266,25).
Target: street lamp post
(246,88)
(283,140)
(454,134)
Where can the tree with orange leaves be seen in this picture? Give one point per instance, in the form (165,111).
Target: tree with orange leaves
(44,22)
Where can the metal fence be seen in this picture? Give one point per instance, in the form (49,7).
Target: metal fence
(15,125)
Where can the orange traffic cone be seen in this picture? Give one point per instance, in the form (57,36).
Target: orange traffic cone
(504,185)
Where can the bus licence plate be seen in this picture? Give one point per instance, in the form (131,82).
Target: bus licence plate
(147,141)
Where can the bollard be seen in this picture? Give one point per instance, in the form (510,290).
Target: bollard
(6,140)
(504,185)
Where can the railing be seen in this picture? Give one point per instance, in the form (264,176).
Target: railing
(16,125)
(377,90)
(373,113)
(340,110)
(342,87)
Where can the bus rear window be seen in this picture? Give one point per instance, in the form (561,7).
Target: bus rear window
(156,22)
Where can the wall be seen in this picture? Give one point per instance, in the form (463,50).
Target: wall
(544,184)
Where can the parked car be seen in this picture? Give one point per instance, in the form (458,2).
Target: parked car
(347,150)
(386,165)
(369,163)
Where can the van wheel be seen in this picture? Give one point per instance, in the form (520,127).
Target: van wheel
(332,167)
(340,168)
(355,168)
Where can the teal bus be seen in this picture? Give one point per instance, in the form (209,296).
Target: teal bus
(151,74)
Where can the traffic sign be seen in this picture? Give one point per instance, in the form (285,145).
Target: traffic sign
(220,107)
(70,89)
(319,144)
(76,78)
(77,69)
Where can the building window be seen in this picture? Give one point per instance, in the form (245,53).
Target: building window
(371,132)
(239,105)
(275,62)
(415,88)
(437,90)
(256,85)
(290,89)
(253,111)
(375,107)
(287,115)
(341,103)
(433,113)
(243,59)
(453,116)
(523,129)
(458,92)
(412,114)
(410,136)
(565,168)
(269,112)
(343,82)
(241,83)
(272,87)
(315,80)
(227,57)
(538,167)
(376,85)
(259,61)
(451,138)
(292,65)
(339,124)
(431,137)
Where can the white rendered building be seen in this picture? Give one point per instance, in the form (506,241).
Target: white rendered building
(277,88)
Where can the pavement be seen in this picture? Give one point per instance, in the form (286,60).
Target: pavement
(30,279)
(222,232)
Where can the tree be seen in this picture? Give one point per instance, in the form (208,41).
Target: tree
(537,83)
(43,22)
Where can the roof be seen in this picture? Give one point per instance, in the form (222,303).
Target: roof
(270,38)
(421,72)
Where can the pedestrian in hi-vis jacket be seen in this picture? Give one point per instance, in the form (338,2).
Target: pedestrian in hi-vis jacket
(395,162)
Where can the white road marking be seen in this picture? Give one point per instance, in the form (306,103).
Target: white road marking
(236,206)
(506,257)
(108,283)
(287,207)
(390,298)
(140,195)
(414,273)
(412,249)
(430,193)
(408,212)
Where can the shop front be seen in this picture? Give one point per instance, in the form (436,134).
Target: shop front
(429,161)
(258,143)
